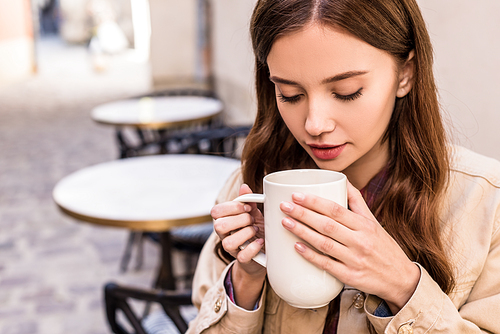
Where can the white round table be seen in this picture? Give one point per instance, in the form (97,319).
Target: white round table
(158,112)
(153,193)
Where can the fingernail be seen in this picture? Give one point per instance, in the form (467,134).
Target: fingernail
(300,247)
(256,228)
(286,206)
(260,241)
(288,223)
(299,197)
(247,208)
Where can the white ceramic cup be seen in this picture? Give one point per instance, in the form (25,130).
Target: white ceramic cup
(294,279)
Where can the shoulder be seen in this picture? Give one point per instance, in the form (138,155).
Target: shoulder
(474,166)
(471,222)
(473,193)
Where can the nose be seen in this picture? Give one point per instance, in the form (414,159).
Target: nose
(319,118)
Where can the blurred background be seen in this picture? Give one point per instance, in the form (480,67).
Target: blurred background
(61,58)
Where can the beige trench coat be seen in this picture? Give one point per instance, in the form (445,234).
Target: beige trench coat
(471,231)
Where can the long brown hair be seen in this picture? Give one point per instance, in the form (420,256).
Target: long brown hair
(408,205)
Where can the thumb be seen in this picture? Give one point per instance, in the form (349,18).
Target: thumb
(245,189)
(357,203)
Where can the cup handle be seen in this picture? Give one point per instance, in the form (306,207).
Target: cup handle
(253,198)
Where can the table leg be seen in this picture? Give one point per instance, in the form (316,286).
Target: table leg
(162,140)
(165,279)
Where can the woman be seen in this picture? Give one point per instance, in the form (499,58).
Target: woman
(347,85)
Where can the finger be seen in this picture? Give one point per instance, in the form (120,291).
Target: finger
(323,217)
(251,250)
(327,208)
(231,243)
(229,209)
(226,225)
(357,203)
(334,267)
(320,242)
(245,189)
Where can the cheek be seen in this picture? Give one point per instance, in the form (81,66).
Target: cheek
(380,104)
(370,119)
(293,118)
(378,112)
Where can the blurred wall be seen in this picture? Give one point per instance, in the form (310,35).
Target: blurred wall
(232,59)
(177,51)
(17,53)
(77,25)
(465,35)
(173,41)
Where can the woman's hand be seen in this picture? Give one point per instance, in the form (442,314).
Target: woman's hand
(352,246)
(236,223)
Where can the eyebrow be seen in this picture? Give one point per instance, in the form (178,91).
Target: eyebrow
(335,78)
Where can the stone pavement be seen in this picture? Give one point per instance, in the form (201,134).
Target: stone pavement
(52,267)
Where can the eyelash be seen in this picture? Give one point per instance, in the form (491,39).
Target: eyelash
(344,98)
(350,97)
(291,99)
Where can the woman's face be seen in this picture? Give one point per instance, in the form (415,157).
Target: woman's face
(336,94)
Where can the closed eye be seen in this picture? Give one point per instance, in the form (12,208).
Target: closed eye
(289,99)
(350,97)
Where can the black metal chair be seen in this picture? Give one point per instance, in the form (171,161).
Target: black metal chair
(221,140)
(117,298)
(140,141)
(224,141)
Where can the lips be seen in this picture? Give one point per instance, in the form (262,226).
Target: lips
(325,152)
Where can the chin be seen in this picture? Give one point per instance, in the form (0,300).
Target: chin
(333,165)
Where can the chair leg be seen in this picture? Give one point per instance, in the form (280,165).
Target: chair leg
(111,308)
(174,314)
(127,252)
(134,321)
(113,303)
(134,238)
(119,297)
(140,250)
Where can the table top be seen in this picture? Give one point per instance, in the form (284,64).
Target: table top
(152,193)
(157,112)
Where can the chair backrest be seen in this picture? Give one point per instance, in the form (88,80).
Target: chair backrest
(224,141)
(134,142)
(117,299)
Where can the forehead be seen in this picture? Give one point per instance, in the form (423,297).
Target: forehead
(320,50)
